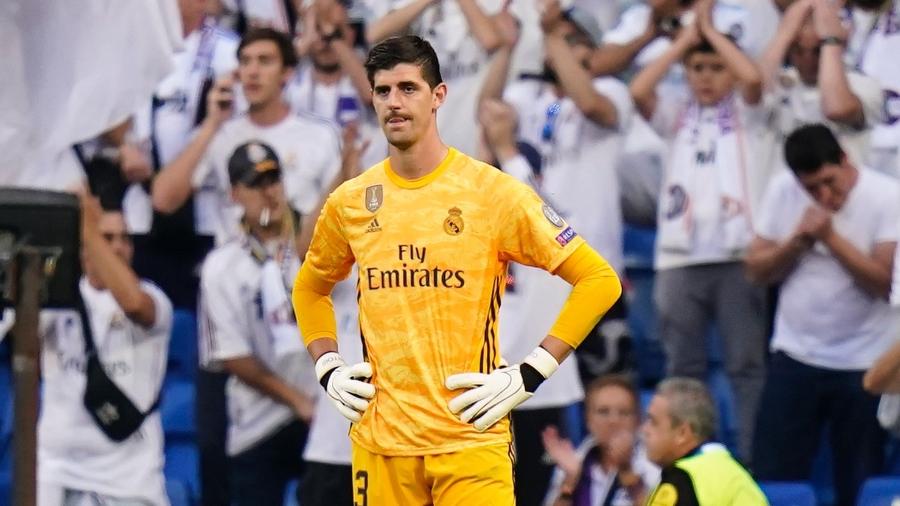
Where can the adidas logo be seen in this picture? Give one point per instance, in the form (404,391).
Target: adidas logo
(373,226)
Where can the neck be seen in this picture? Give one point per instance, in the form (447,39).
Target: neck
(270,113)
(95,282)
(191,23)
(420,159)
(324,77)
(266,234)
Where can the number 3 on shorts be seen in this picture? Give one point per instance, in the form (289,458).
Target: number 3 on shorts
(362,481)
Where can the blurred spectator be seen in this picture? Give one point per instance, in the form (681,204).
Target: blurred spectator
(464,35)
(645,31)
(327,479)
(281,15)
(827,233)
(874,42)
(170,247)
(532,301)
(332,83)
(715,139)
(577,123)
(130,321)
(248,330)
(816,87)
(308,147)
(610,466)
(678,432)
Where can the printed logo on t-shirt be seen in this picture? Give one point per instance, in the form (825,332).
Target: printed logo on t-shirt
(454,223)
(566,236)
(552,216)
(374,197)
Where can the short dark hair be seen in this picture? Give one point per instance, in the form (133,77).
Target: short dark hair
(705,47)
(393,51)
(810,147)
(281,39)
(617,381)
(701,47)
(690,402)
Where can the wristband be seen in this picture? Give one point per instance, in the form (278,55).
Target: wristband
(832,40)
(326,364)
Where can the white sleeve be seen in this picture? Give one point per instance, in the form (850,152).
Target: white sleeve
(520,95)
(889,227)
(631,25)
(555,485)
(665,115)
(618,94)
(769,221)
(870,94)
(225,328)
(162,326)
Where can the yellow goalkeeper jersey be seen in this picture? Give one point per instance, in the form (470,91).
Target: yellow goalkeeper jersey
(432,256)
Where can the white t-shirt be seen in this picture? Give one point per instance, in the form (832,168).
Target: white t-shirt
(823,317)
(802,105)
(602,481)
(208,52)
(329,439)
(265,12)
(464,64)
(578,177)
(530,307)
(718,164)
(340,104)
(237,322)
(72,451)
(872,49)
(308,149)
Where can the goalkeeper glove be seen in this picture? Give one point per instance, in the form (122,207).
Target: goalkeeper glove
(491,397)
(348,394)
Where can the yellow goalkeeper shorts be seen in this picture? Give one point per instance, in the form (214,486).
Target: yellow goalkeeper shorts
(475,476)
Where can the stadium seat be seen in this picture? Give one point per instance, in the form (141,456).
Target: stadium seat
(183,344)
(182,464)
(177,409)
(290,494)
(179,493)
(5,489)
(880,491)
(789,493)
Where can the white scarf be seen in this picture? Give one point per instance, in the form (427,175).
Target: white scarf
(710,142)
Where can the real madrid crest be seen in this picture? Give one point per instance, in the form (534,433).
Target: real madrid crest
(374,197)
(454,224)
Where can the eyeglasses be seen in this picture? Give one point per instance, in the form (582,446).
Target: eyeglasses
(550,122)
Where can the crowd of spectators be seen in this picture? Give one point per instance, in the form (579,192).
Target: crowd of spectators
(759,138)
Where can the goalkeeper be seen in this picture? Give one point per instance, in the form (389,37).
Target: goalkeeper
(431,231)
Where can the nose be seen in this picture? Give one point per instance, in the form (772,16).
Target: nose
(393,99)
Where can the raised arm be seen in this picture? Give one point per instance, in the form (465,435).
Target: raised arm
(574,79)
(772,59)
(113,272)
(839,103)
(498,72)
(174,183)
(395,22)
(481,26)
(643,86)
(738,63)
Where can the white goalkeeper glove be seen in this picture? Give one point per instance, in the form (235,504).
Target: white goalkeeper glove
(491,397)
(348,394)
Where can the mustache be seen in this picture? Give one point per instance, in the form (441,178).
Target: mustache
(395,115)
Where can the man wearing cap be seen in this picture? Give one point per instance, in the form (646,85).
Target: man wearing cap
(247,329)
(577,123)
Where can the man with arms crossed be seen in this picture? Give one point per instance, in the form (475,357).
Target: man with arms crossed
(429,292)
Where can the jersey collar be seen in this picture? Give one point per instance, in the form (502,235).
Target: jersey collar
(419,182)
